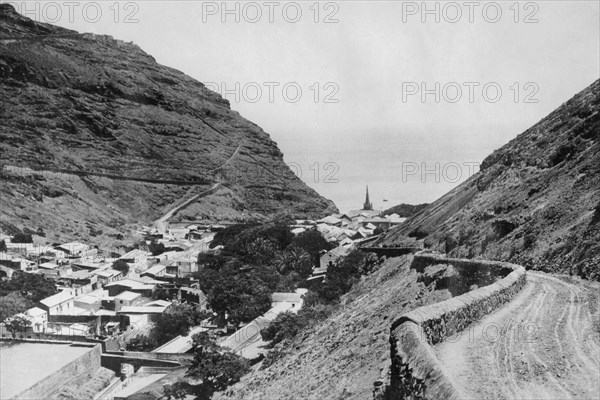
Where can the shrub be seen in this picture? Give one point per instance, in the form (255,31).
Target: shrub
(22,238)
(121,265)
(418,233)
(529,240)
(450,243)
(141,343)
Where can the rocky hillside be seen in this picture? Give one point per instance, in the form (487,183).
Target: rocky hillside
(96,105)
(535,201)
(405,210)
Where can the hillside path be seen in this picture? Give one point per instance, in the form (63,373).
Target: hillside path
(545,344)
(162,223)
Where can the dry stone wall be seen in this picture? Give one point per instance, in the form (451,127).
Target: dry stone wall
(415,372)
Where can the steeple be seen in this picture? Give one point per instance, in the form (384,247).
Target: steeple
(368,205)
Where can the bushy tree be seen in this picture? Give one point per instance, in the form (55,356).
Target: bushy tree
(13,303)
(16,324)
(121,265)
(176,391)
(33,287)
(288,325)
(285,326)
(156,248)
(342,275)
(240,294)
(294,259)
(261,251)
(22,237)
(3,246)
(178,320)
(216,367)
(313,242)
(141,343)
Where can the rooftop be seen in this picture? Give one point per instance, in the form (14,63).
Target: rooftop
(127,296)
(133,254)
(142,310)
(130,283)
(56,299)
(107,273)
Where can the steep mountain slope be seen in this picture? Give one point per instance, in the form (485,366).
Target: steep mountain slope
(92,104)
(535,201)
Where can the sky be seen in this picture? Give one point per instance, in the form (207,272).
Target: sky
(406,97)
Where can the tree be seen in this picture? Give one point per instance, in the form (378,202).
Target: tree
(22,238)
(121,265)
(313,242)
(177,391)
(141,343)
(2,246)
(13,303)
(285,326)
(18,323)
(216,367)
(34,287)
(261,251)
(240,294)
(156,248)
(177,321)
(344,273)
(294,259)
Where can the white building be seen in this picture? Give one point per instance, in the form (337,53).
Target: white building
(62,303)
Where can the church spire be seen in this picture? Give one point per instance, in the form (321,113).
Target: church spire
(368,205)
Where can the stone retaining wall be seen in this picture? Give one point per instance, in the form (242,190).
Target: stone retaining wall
(80,367)
(415,371)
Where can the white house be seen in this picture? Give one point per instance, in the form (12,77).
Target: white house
(38,318)
(62,303)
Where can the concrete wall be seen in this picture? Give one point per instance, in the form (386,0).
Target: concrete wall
(415,371)
(87,363)
(113,362)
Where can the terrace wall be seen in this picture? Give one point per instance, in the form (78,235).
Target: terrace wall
(415,371)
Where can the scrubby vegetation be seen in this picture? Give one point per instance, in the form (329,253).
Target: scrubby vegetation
(320,302)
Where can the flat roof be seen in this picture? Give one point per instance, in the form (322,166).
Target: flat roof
(141,310)
(57,299)
(127,296)
(24,364)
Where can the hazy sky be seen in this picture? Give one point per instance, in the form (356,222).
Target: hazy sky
(361,67)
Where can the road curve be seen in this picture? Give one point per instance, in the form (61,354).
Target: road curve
(545,344)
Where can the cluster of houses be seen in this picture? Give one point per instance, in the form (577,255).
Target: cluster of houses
(347,231)
(93,284)
(90,286)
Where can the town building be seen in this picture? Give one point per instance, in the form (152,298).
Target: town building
(125,299)
(59,304)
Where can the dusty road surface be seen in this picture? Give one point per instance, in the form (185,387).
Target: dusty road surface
(545,344)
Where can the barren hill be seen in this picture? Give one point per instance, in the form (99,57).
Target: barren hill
(535,201)
(139,136)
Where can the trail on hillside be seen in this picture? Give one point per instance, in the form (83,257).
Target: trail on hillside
(161,223)
(545,344)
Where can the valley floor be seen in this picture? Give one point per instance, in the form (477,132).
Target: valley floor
(545,344)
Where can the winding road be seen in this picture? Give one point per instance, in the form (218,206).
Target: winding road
(545,344)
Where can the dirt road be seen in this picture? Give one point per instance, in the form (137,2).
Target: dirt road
(545,344)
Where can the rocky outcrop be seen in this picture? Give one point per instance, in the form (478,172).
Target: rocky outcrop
(534,202)
(95,105)
(415,371)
